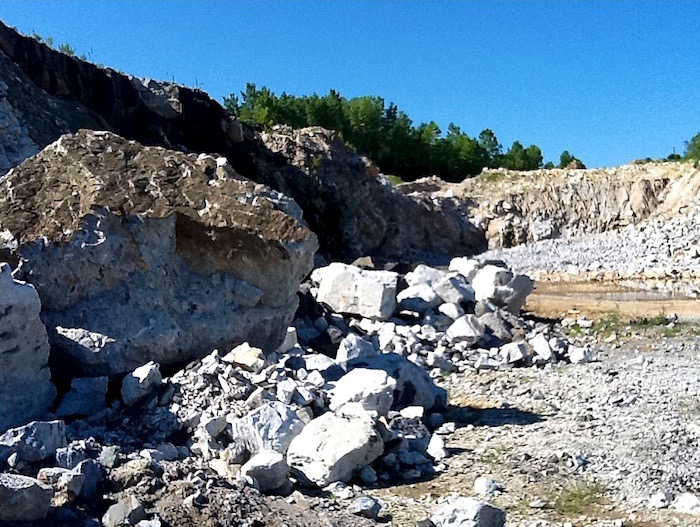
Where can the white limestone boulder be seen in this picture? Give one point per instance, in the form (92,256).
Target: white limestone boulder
(268,468)
(26,391)
(467,329)
(334,446)
(468,512)
(501,287)
(372,389)
(349,289)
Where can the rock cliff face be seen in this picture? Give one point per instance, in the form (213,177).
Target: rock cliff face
(44,93)
(145,254)
(519,207)
(356,212)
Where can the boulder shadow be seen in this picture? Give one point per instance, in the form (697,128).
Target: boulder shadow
(463,416)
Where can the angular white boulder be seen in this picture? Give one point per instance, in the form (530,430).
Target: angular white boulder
(455,289)
(23,498)
(349,289)
(271,426)
(26,391)
(419,298)
(268,468)
(352,347)
(541,347)
(465,266)
(424,274)
(466,329)
(372,389)
(514,352)
(414,387)
(501,287)
(334,446)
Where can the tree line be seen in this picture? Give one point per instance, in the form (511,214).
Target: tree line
(387,136)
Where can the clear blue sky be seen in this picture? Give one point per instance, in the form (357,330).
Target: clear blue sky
(610,81)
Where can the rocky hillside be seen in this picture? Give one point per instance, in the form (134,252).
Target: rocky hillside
(44,93)
(519,207)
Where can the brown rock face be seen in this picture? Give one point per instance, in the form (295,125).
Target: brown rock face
(145,254)
(352,209)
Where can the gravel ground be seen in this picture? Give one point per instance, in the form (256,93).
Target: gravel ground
(586,444)
(664,253)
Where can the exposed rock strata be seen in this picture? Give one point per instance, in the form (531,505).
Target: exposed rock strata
(145,254)
(519,207)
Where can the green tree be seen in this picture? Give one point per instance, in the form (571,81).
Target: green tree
(493,149)
(565,159)
(692,148)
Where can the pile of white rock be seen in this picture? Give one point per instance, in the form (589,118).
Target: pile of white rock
(466,317)
(367,411)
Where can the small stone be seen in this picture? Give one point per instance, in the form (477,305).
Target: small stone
(127,511)
(485,486)
(141,383)
(436,448)
(366,507)
(109,456)
(580,355)
(514,352)
(248,357)
(368,475)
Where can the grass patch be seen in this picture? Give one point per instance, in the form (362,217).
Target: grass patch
(395,180)
(494,454)
(492,177)
(579,498)
(660,324)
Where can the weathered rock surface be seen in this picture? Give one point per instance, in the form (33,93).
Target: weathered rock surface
(23,498)
(373,389)
(50,93)
(103,220)
(34,441)
(268,468)
(26,391)
(355,212)
(518,207)
(348,205)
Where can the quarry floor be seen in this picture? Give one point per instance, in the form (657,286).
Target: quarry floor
(580,445)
